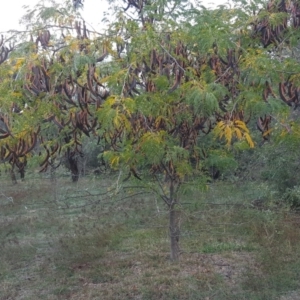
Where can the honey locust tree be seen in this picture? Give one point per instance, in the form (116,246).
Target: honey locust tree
(50,89)
(173,84)
(151,100)
(152,86)
(276,27)
(183,73)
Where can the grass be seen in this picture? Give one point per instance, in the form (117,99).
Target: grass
(60,240)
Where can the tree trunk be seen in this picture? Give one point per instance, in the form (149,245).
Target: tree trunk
(13,176)
(174,232)
(73,167)
(174,223)
(52,172)
(21,167)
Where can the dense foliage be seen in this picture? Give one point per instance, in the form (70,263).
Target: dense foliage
(156,87)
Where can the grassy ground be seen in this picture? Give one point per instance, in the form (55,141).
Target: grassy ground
(60,240)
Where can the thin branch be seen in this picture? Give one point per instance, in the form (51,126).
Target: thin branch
(147,123)
(117,183)
(10,199)
(286,126)
(226,71)
(124,83)
(175,60)
(164,197)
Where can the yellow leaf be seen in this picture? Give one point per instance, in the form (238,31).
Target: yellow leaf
(241,125)
(19,63)
(221,125)
(228,135)
(115,161)
(73,45)
(238,133)
(158,120)
(117,118)
(112,100)
(249,140)
(267,132)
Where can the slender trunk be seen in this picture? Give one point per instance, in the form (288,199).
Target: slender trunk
(174,233)
(13,176)
(73,168)
(52,173)
(174,217)
(22,166)
(22,174)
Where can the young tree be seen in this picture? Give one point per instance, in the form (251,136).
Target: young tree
(173,83)
(162,77)
(189,74)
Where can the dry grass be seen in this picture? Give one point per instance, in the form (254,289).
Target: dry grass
(58,241)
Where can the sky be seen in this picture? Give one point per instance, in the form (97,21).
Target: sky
(13,10)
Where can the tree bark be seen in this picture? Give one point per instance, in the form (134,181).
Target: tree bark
(73,167)
(174,232)
(21,167)
(174,229)
(13,176)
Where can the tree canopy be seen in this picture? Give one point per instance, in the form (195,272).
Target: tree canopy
(159,79)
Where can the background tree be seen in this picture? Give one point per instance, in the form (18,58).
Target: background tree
(52,79)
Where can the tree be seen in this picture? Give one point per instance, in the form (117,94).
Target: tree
(162,77)
(171,89)
(178,81)
(51,78)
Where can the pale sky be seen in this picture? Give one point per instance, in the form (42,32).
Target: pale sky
(12,11)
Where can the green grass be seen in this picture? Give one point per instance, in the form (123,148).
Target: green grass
(60,240)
